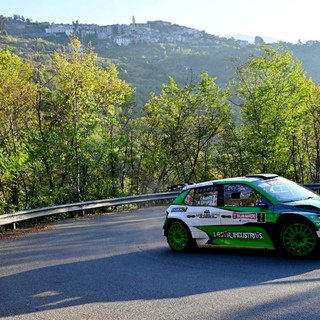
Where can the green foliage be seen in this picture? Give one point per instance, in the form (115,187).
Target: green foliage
(147,67)
(86,99)
(69,130)
(275,95)
(180,126)
(17,98)
(51,133)
(309,147)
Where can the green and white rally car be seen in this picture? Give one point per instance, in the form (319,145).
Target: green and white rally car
(255,211)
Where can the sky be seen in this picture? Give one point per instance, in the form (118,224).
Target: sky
(284,20)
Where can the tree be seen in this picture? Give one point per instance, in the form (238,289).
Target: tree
(87,99)
(17,99)
(311,138)
(274,93)
(179,129)
(258,40)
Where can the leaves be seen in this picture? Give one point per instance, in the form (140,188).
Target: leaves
(69,131)
(178,127)
(274,93)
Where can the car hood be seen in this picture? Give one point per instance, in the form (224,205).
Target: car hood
(308,204)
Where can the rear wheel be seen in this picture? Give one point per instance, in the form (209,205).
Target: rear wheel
(298,239)
(179,237)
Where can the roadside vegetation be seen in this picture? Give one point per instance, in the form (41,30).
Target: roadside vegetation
(70,130)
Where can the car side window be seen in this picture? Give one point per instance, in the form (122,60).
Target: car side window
(188,200)
(205,196)
(240,195)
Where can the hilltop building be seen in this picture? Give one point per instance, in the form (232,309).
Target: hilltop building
(118,34)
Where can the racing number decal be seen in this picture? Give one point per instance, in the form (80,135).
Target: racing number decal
(261,217)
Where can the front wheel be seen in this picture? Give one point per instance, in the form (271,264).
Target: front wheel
(298,239)
(179,237)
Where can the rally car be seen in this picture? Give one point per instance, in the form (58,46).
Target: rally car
(255,211)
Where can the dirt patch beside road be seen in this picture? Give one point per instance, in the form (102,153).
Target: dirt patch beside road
(18,232)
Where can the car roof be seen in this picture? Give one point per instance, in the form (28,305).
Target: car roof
(247,178)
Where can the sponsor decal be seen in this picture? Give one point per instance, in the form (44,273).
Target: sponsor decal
(207,216)
(247,235)
(245,215)
(179,209)
(222,234)
(249,216)
(315,220)
(238,235)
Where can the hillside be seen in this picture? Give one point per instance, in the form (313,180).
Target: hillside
(146,67)
(147,54)
(71,133)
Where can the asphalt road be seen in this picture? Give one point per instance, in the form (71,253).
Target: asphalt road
(120,267)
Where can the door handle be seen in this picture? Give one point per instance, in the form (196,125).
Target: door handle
(223,216)
(188,216)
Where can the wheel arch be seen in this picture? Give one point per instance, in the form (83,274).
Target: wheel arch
(169,223)
(287,217)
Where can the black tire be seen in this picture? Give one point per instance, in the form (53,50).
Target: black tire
(299,239)
(179,237)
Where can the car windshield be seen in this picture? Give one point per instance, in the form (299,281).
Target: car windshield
(285,190)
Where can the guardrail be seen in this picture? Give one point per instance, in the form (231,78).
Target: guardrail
(15,217)
(9,218)
(312,186)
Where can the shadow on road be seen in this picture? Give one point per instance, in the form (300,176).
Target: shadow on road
(144,275)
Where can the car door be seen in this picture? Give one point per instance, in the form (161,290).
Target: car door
(241,205)
(205,205)
(203,213)
(243,217)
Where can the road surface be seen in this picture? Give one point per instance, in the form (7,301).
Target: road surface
(120,267)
